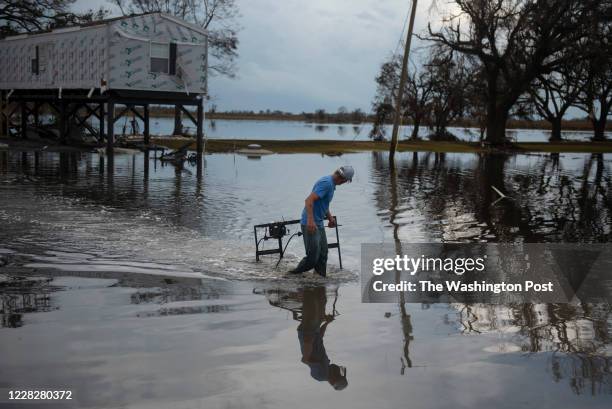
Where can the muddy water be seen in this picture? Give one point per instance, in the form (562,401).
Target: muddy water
(138,286)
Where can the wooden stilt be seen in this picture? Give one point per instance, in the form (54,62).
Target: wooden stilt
(3,119)
(102,118)
(110,134)
(35,114)
(62,121)
(146,126)
(24,119)
(200,130)
(146,167)
(178,120)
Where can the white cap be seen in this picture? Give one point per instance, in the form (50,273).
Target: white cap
(347,172)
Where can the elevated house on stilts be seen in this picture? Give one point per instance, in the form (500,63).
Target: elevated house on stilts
(103,70)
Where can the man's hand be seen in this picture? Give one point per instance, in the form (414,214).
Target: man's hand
(311,226)
(332,222)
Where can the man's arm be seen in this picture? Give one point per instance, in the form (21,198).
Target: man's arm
(308,204)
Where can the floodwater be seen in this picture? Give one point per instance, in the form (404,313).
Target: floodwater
(140,288)
(291,130)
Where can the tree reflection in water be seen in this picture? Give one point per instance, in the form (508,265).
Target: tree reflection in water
(546,203)
(456,201)
(576,337)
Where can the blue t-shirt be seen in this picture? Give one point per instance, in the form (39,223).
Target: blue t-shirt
(324,188)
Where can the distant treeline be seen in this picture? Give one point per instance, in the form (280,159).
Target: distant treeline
(357,117)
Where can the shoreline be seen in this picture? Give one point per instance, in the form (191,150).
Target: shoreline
(328,147)
(336,147)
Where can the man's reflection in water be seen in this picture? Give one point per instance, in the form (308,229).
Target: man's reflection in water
(311,332)
(313,324)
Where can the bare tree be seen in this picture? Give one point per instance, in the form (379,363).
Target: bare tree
(434,94)
(415,101)
(26,16)
(515,41)
(553,94)
(596,98)
(475,98)
(418,100)
(448,77)
(383,112)
(386,81)
(358,116)
(342,114)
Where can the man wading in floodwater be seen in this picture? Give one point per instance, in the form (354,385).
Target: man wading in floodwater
(316,210)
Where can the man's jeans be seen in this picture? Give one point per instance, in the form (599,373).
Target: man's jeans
(315,245)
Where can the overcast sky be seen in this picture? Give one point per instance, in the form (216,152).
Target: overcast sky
(302,55)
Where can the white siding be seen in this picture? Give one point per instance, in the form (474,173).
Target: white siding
(118,52)
(69,60)
(130,45)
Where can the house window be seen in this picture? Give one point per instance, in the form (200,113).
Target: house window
(163,58)
(160,56)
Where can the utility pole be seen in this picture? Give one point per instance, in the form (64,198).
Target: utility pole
(400,91)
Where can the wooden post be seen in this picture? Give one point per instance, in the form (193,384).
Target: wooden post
(146,169)
(68,121)
(24,120)
(110,134)
(3,119)
(400,91)
(145,176)
(200,141)
(36,162)
(62,121)
(146,126)
(102,117)
(110,172)
(35,114)
(178,120)
(200,125)
(204,122)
